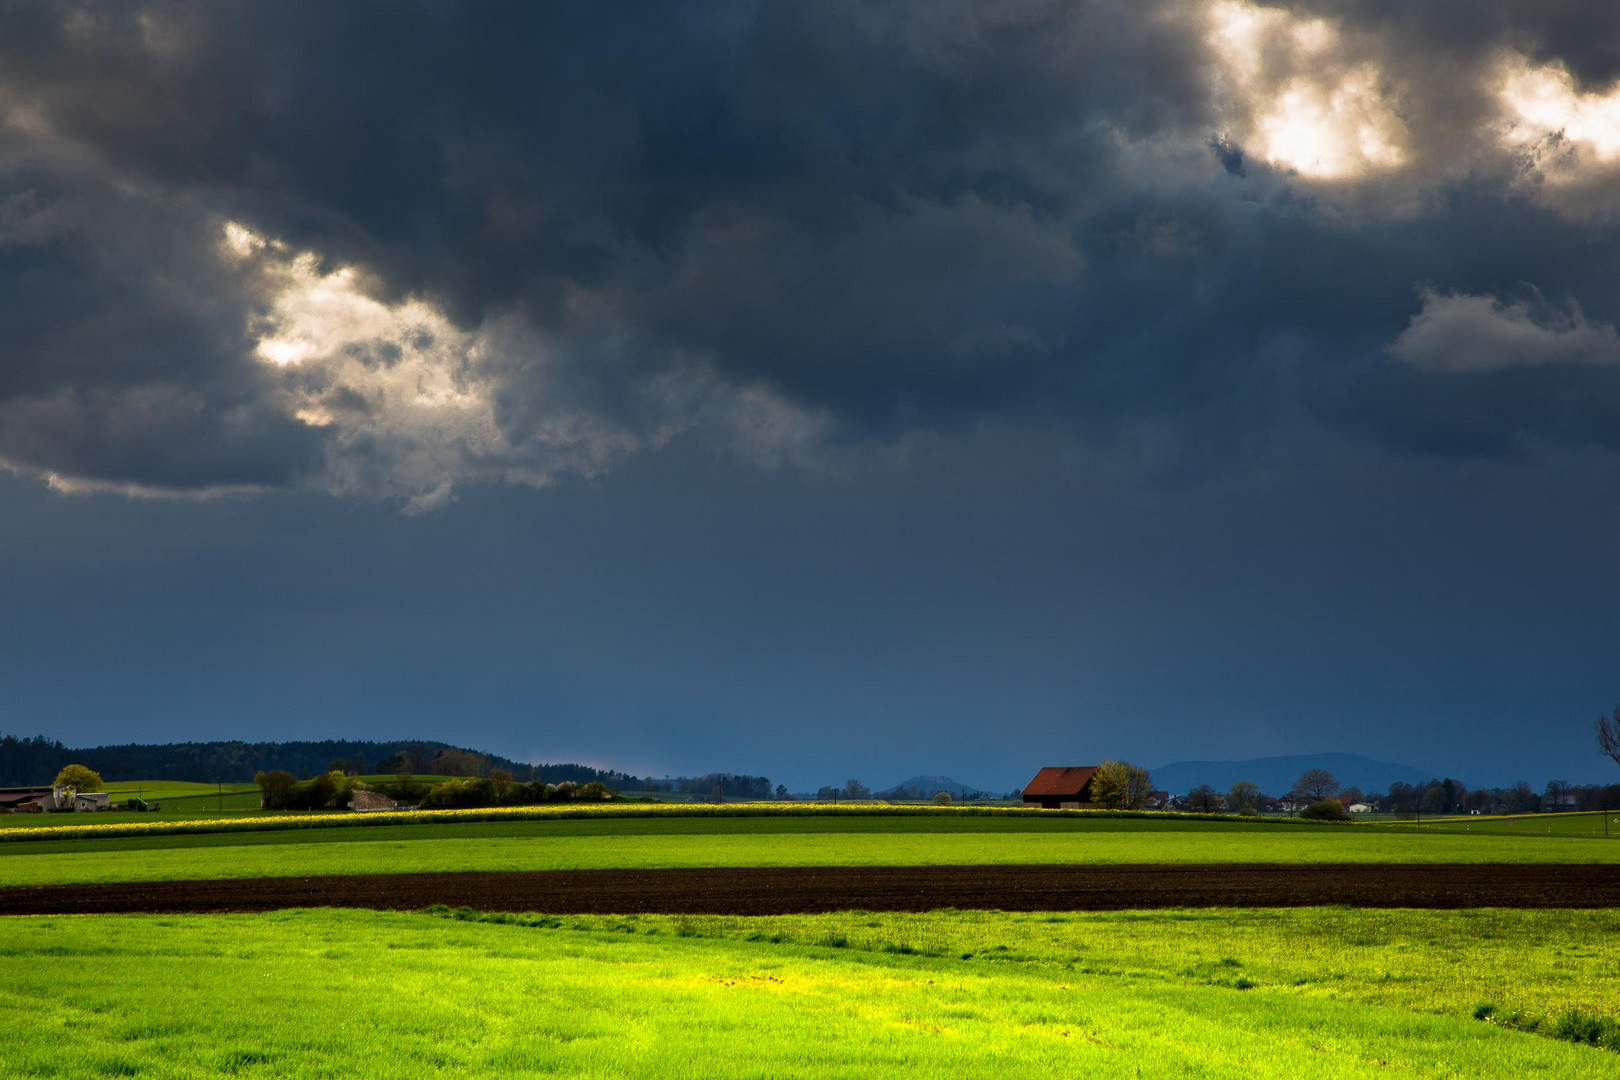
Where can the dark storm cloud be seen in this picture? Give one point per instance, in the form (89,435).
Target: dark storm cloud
(121,352)
(872,217)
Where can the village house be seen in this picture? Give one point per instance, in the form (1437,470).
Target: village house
(1061,787)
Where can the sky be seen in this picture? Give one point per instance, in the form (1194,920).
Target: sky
(823,391)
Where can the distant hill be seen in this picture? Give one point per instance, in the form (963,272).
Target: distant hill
(1276,775)
(926,787)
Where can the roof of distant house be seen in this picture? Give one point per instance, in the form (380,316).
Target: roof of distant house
(1057,780)
(366,799)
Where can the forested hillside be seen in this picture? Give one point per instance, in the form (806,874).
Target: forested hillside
(36,760)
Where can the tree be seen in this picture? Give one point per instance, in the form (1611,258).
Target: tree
(321,790)
(1434,800)
(1120,784)
(1521,798)
(277,787)
(1317,784)
(80,778)
(781,793)
(502,779)
(1404,798)
(854,789)
(1243,796)
(942,798)
(1204,799)
(1608,734)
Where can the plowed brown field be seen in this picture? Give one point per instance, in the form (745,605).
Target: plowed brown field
(789,890)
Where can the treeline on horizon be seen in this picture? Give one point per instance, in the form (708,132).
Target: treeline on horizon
(1446,796)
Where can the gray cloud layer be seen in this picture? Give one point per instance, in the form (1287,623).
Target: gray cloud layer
(382,249)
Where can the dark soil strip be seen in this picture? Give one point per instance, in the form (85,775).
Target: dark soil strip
(788,890)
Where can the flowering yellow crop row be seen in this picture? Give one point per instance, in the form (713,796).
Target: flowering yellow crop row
(554,811)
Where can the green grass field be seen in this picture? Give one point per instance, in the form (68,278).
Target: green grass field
(1585,824)
(1320,993)
(673,841)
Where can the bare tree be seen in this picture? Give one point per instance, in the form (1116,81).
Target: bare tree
(1608,734)
(502,779)
(1317,784)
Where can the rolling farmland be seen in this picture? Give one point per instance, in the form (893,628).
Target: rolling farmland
(693,838)
(1232,978)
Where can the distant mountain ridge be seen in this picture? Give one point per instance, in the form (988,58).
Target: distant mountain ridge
(926,787)
(1276,775)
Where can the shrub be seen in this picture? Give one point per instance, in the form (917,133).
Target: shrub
(1325,810)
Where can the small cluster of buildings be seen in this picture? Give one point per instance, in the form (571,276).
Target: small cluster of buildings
(58,798)
(1068,787)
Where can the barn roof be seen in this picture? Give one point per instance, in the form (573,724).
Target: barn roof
(1055,780)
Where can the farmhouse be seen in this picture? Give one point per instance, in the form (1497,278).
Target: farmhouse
(24,802)
(92,800)
(1061,787)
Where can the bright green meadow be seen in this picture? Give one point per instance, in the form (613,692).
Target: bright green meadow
(1591,824)
(674,841)
(1321,993)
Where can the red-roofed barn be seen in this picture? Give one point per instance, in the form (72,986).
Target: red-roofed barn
(1061,787)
